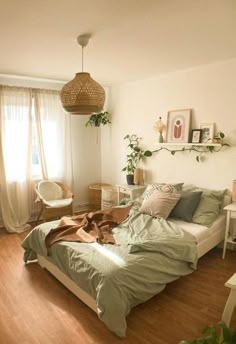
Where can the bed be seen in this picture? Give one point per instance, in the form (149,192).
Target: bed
(112,279)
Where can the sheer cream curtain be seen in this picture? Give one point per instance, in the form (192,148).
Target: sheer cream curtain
(53,129)
(28,116)
(15,152)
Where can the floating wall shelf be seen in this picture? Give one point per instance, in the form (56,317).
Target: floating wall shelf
(200,148)
(188,144)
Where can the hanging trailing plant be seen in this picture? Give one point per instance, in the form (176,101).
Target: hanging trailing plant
(98,119)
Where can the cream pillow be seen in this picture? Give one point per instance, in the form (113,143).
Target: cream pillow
(159,204)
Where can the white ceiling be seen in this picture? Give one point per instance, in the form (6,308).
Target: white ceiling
(131,39)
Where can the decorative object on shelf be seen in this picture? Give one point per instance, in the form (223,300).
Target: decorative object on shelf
(228,336)
(207,132)
(134,156)
(234,191)
(82,95)
(218,137)
(178,125)
(196,135)
(160,127)
(98,119)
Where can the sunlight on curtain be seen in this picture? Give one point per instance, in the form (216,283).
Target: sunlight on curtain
(35,143)
(16,143)
(15,151)
(53,128)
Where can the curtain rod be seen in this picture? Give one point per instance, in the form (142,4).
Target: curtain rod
(21,77)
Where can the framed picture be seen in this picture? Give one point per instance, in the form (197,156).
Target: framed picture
(178,125)
(196,135)
(207,132)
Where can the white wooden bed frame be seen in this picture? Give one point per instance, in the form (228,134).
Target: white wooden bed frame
(206,245)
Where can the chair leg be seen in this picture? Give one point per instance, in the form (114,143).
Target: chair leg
(40,213)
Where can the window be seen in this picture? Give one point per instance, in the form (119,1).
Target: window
(31,139)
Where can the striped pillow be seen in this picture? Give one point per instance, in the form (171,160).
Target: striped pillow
(170,188)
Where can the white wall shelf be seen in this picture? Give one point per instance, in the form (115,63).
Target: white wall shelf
(169,144)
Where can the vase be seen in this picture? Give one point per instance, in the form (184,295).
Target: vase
(161,139)
(130,179)
(138,176)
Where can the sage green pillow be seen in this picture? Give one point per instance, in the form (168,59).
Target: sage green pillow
(186,206)
(208,207)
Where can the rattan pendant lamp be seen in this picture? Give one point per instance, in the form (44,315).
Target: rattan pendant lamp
(82,95)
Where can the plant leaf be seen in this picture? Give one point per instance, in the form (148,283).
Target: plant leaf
(147,153)
(225,331)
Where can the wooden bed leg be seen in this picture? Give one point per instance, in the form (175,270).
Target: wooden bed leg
(231,302)
(40,262)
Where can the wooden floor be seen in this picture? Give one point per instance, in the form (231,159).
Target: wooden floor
(36,308)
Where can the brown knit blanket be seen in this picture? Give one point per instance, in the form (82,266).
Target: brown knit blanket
(88,227)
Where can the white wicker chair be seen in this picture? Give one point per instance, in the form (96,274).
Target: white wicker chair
(56,200)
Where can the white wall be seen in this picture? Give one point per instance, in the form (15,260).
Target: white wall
(209,90)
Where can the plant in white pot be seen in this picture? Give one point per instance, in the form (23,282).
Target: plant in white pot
(134,156)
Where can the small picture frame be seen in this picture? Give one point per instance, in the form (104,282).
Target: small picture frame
(207,132)
(196,136)
(178,126)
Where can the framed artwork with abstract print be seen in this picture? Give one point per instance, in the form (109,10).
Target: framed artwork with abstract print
(178,126)
(207,132)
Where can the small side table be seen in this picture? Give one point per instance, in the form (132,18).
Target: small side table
(133,191)
(231,214)
(231,302)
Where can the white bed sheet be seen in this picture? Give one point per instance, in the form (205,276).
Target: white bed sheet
(201,233)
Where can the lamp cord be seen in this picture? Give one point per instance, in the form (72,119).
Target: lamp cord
(82,59)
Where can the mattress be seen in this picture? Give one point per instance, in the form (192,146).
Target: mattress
(201,233)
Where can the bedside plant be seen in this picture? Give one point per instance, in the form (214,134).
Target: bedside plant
(228,336)
(134,156)
(98,119)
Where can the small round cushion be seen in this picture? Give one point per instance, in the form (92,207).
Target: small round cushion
(59,203)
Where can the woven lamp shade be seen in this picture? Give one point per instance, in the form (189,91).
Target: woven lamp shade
(82,95)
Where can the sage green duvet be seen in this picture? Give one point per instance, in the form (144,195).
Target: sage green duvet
(150,253)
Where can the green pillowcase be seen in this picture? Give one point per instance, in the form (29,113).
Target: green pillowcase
(186,206)
(209,207)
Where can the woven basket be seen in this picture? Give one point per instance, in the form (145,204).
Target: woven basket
(109,197)
(95,195)
(82,95)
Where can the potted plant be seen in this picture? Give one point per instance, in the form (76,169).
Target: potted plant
(98,119)
(135,154)
(228,336)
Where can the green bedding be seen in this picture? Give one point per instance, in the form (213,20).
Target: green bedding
(149,254)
